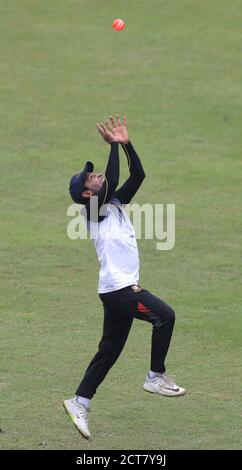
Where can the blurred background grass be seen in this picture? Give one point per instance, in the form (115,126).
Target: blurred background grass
(175,71)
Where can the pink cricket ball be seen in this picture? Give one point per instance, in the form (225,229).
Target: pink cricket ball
(118,24)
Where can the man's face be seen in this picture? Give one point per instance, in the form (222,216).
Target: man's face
(94,181)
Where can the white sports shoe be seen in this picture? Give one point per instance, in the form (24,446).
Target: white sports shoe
(163,385)
(78,414)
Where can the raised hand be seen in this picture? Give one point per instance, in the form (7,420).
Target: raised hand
(105,133)
(118,129)
(114,131)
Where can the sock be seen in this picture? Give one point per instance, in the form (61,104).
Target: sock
(83,401)
(152,374)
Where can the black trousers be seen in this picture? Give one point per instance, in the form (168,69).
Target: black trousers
(120,308)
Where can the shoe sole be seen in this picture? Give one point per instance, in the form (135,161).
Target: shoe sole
(165,393)
(74,421)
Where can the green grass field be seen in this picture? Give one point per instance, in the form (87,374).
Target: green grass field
(176,72)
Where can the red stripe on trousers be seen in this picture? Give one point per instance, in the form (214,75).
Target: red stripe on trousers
(142,308)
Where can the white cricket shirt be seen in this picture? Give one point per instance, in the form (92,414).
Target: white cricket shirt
(116,248)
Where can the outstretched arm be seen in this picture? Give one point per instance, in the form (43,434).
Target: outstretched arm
(113,132)
(111,176)
(137,175)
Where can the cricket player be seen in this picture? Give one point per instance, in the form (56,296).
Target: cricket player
(119,290)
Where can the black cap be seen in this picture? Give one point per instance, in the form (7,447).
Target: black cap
(77,184)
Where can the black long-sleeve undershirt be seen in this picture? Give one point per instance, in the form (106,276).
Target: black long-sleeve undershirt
(137,175)
(126,192)
(110,183)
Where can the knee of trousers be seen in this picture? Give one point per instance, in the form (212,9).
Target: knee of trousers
(170,315)
(166,317)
